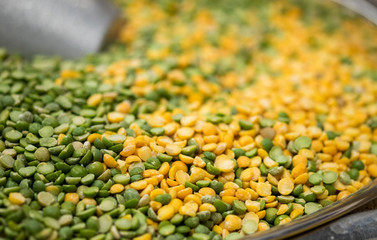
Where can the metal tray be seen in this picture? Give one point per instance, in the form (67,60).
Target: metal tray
(368,10)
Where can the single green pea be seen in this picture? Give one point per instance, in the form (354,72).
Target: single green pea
(285,199)
(183,229)
(221,206)
(95,168)
(52,211)
(123,224)
(308,196)
(192,186)
(157,131)
(312,166)
(312,207)
(276,170)
(67,151)
(238,152)
(163,198)
(325,202)
(271,215)
(315,178)
(354,173)
(91,192)
(345,178)
(164,157)
(45,168)
(42,154)
(267,144)
(357,164)
(45,198)
(135,171)
(332,135)
(152,163)
(251,153)
(203,183)
(302,142)
(78,171)
(318,189)
(189,150)
(7,161)
(275,151)
(201,229)
(329,177)
(216,185)
(245,125)
(239,207)
(192,222)
(263,169)
(107,204)
(136,178)
(131,194)
(46,131)
(123,179)
(167,230)
(212,169)
(210,155)
(283,117)
(13,135)
(177,219)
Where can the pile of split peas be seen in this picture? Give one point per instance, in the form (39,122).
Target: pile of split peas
(206,120)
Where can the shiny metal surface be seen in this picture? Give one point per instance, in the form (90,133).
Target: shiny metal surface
(366,8)
(68,28)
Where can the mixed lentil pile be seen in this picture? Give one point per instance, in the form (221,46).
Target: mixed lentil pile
(208,120)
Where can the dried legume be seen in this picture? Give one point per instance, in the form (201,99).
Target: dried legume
(196,125)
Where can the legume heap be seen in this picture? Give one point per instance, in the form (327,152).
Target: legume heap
(208,120)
